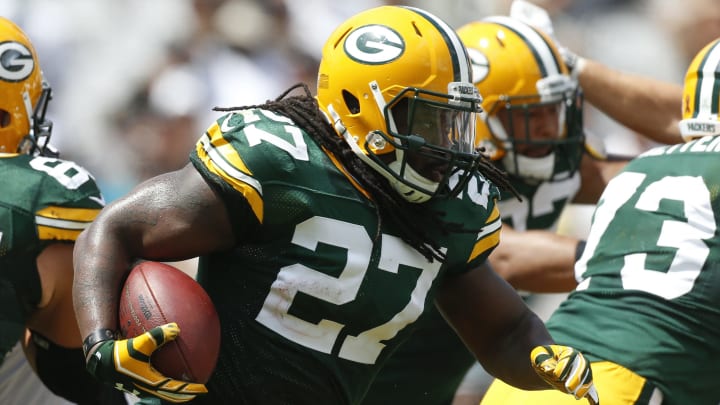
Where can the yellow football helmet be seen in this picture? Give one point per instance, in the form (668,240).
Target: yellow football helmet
(23,94)
(395,83)
(519,72)
(701,94)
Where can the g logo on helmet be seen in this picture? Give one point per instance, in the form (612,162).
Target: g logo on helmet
(374,45)
(480,65)
(16,62)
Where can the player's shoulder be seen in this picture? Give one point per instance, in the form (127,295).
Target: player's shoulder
(49,180)
(475,215)
(256,142)
(476,202)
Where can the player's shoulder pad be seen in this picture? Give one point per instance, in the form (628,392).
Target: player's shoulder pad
(60,181)
(254,141)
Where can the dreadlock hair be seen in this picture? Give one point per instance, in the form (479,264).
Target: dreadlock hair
(305,112)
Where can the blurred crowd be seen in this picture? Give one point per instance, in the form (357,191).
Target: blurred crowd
(135,81)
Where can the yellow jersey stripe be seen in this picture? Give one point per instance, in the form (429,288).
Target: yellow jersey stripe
(344,171)
(221,159)
(489,235)
(51,233)
(226,150)
(68,214)
(63,223)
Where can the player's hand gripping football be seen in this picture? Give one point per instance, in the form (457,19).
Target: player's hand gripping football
(566,370)
(126,364)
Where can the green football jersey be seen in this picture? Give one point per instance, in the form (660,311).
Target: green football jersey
(434,344)
(542,203)
(318,292)
(650,295)
(43,200)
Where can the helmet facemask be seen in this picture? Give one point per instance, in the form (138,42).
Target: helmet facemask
(37,142)
(540,157)
(433,137)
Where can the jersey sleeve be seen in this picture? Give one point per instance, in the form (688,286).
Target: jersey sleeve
(239,153)
(68,200)
(476,210)
(487,239)
(43,201)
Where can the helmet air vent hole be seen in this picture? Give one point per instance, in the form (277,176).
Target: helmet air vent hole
(4,119)
(351,102)
(417,30)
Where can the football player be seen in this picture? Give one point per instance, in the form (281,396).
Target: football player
(648,106)
(532,129)
(647,309)
(44,204)
(325,227)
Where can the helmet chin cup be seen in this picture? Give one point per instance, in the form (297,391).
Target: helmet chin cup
(540,169)
(415,194)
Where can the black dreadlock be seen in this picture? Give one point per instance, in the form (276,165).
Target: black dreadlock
(305,112)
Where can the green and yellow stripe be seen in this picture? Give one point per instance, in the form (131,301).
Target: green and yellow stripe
(221,158)
(63,223)
(489,235)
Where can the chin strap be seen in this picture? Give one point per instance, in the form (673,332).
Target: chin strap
(412,194)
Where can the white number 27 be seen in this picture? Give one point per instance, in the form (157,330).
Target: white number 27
(366,346)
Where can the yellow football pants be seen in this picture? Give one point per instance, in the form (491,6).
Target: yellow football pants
(615,384)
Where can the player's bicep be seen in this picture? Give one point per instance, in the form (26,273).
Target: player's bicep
(173,216)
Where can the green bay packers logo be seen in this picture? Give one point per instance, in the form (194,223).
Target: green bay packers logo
(480,65)
(16,62)
(374,45)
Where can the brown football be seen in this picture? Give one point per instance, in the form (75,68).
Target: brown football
(157,293)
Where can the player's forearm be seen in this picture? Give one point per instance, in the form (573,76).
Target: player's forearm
(536,261)
(99,270)
(511,362)
(648,106)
